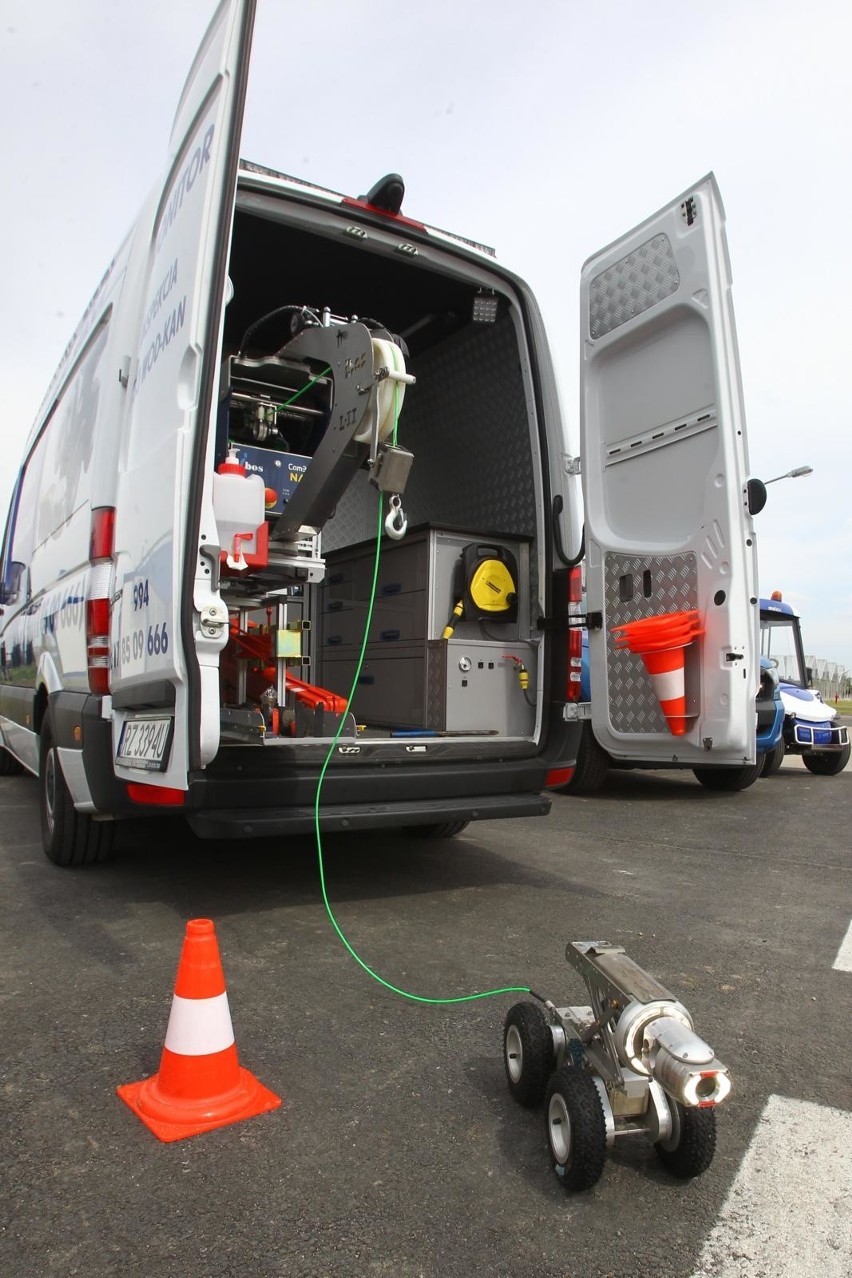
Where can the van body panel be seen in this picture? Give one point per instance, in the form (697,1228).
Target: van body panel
(665,470)
(173,368)
(45,561)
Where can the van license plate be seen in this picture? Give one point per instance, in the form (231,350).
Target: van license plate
(143,743)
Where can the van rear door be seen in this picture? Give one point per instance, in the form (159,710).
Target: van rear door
(158,683)
(665,467)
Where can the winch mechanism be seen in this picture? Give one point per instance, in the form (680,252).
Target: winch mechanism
(305,419)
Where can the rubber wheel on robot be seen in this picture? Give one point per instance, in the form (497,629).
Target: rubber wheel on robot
(590,770)
(826,765)
(528,1053)
(773,759)
(69,837)
(729,779)
(689,1149)
(575,1128)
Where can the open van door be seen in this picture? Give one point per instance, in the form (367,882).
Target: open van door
(665,468)
(178,268)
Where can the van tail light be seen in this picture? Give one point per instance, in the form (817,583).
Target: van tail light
(575,634)
(101,564)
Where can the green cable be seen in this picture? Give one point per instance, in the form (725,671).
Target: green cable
(395,989)
(307,386)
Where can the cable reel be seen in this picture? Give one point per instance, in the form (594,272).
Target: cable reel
(486,586)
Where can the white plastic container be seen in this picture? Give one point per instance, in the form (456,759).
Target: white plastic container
(238,503)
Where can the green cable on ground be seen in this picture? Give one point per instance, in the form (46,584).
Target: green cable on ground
(395,989)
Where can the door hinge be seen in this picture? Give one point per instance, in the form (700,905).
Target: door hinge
(214,619)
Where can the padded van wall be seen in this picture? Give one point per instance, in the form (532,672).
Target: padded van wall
(466,423)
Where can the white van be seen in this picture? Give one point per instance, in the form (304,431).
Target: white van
(299,492)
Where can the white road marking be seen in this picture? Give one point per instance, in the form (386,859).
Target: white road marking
(843,962)
(789,1210)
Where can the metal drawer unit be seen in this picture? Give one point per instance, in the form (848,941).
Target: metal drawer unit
(455,685)
(412,678)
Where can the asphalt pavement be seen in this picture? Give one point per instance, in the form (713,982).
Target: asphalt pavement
(398,1150)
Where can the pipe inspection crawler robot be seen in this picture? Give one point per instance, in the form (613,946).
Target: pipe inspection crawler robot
(629,1063)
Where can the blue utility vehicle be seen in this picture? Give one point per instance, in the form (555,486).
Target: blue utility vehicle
(810,727)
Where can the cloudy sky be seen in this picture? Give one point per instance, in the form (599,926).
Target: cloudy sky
(545,129)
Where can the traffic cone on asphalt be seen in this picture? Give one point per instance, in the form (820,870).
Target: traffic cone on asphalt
(200,1084)
(661,643)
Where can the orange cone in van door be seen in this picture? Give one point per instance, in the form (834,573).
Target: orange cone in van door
(661,643)
(201,1084)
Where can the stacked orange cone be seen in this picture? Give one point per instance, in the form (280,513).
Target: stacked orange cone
(201,1084)
(660,642)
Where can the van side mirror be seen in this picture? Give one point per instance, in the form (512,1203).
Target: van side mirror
(10,586)
(809,675)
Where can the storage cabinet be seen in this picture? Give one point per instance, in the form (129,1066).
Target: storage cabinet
(412,678)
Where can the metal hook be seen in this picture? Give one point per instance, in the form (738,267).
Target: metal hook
(396,524)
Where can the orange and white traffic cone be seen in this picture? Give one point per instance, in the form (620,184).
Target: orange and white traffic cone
(667,677)
(201,1084)
(661,643)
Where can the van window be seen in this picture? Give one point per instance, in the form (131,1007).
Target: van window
(67,443)
(56,480)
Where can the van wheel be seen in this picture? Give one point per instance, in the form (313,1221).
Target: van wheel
(773,759)
(826,765)
(9,765)
(730,779)
(593,763)
(69,837)
(440,830)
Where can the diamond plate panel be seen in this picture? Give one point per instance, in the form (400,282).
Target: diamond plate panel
(633,285)
(673,581)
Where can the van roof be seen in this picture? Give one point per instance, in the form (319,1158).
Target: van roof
(260,175)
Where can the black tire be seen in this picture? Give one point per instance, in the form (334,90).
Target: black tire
(9,765)
(773,759)
(528,1053)
(440,830)
(729,779)
(593,763)
(575,1128)
(826,765)
(689,1150)
(69,837)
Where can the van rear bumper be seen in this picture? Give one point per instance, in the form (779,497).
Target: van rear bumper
(257,792)
(366,796)
(224,823)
